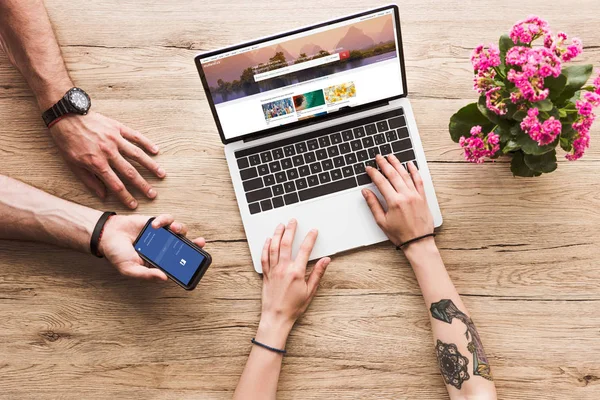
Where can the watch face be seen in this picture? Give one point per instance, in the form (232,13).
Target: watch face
(79,100)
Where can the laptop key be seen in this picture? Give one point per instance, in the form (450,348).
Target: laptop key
(345,148)
(338,162)
(289,187)
(347,136)
(350,158)
(292,174)
(304,170)
(363,179)
(254,159)
(277,190)
(291,198)
(368,142)
(275,166)
(312,180)
(310,157)
(280,177)
(243,163)
(278,154)
(356,145)
(362,155)
(254,208)
(315,168)
(382,126)
(336,138)
(269,180)
(371,163)
(397,122)
(324,177)
(379,138)
(324,141)
(263,169)
(321,154)
(359,168)
(401,145)
(266,205)
(336,174)
(298,160)
(253,184)
(286,163)
(359,132)
(385,149)
(312,144)
(402,133)
(301,148)
(391,136)
(248,173)
(301,184)
(373,151)
(323,190)
(371,129)
(347,171)
(258,195)
(278,202)
(405,156)
(289,151)
(327,165)
(266,157)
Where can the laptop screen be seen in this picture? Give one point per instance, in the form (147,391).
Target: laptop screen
(305,75)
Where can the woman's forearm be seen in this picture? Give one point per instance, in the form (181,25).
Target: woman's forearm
(27,213)
(461,358)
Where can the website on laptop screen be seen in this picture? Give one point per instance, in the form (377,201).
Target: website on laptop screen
(305,75)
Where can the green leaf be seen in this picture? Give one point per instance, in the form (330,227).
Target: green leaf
(519,115)
(493,117)
(530,146)
(504,44)
(556,85)
(466,118)
(504,132)
(519,168)
(577,76)
(543,163)
(567,135)
(511,145)
(544,105)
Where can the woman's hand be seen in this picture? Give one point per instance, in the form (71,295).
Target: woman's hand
(286,292)
(407,214)
(117,240)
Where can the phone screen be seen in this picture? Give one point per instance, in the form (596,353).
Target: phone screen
(170,253)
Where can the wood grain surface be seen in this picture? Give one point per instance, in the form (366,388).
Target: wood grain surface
(523,253)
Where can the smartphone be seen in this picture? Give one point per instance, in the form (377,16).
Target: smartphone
(176,256)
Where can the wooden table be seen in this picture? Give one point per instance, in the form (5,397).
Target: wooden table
(523,253)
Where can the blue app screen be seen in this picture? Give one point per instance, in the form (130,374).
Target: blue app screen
(170,253)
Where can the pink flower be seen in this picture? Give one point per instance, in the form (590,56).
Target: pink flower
(543,133)
(582,126)
(478,146)
(515,97)
(517,55)
(535,65)
(584,108)
(573,50)
(484,80)
(528,30)
(593,98)
(484,58)
(494,101)
(580,145)
(596,83)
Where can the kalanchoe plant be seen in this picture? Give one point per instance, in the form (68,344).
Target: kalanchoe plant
(530,102)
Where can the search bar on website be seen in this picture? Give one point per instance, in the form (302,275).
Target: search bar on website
(297,67)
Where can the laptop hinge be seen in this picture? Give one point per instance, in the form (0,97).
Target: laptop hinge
(333,116)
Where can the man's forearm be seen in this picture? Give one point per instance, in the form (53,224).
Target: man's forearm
(27,37)
(461,358)
(27,213)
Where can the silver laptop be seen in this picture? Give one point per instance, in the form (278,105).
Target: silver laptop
(301,114)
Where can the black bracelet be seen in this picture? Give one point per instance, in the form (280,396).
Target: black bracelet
(414,240)
(97,234)
(264,346)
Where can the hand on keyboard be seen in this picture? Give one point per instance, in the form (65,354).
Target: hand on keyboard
(407,214)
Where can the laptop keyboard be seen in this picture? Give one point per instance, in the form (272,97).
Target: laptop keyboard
(319,163)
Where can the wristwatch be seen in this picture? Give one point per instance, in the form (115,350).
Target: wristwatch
(75,101)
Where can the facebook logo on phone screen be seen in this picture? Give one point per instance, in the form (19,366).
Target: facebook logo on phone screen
(170,253)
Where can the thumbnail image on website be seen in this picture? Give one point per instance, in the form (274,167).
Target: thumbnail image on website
(305,75)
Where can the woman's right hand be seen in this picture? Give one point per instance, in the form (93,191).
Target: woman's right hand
(286,292)
(407,215)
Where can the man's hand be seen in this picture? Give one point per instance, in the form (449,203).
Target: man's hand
(117,240)
(407,214)
(96,148)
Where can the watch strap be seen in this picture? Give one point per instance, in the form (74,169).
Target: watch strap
(97,233)
(57,111)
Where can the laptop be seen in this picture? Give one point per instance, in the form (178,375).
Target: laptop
(301,114)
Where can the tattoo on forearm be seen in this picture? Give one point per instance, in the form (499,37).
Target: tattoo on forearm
(445,311)
(453,365)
